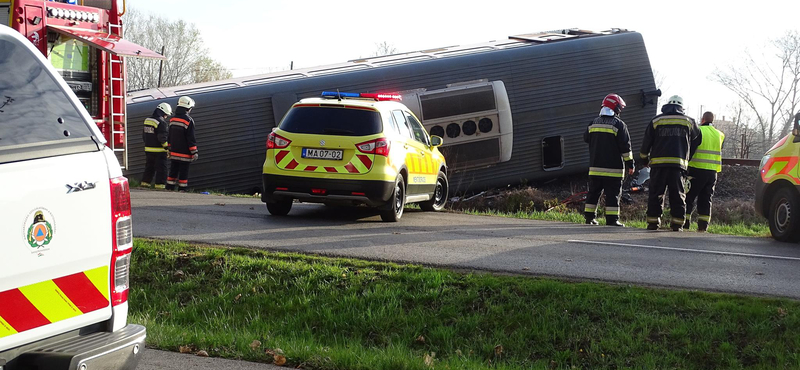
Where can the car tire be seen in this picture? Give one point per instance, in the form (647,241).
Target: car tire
(280,208)
(397,203)
(784,216)
(439,198)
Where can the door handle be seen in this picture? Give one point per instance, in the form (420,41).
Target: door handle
(423,153)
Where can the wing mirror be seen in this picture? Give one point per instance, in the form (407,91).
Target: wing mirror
(436,141)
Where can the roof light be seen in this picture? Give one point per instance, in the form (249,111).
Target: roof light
(376,96)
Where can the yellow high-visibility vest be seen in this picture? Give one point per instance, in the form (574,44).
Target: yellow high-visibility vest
(709,154)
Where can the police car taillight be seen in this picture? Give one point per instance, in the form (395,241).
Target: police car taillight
(376,96)
(377,147)
(275,141)
(121,239)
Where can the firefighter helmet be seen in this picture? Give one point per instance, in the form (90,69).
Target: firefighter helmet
(676,99)
(614,102)
(186,102)
(166,108)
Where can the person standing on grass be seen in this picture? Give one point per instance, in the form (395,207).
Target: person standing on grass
(182,145)
(670,140)
(703,168)
(155,134)
(609,158)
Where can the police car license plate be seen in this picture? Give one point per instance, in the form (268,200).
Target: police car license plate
(322,154)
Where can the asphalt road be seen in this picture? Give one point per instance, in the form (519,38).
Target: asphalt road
(687,260)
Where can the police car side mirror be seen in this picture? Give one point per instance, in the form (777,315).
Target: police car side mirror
(796,133)
(436,141)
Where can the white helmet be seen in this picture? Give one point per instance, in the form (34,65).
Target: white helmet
(676,99)
(186,102)
(166,108)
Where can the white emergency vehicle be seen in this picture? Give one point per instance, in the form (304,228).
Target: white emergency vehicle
(65,226)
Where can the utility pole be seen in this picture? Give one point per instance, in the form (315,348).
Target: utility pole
(291,66)
(160,67)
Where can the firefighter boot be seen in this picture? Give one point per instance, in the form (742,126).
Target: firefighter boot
(614,221)
(677,227)
(688,223)
(590,218)
(652,226)
(702,226)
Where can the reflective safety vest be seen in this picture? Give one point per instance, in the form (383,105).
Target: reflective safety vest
(709,154)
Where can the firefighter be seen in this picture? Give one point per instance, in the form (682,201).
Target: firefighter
(155,134)
(703,168)
(610,158)
(182,145)
(669,141)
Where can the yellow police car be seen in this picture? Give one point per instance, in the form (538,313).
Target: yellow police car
(352,149)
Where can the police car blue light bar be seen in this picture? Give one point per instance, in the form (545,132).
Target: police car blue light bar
(376,96)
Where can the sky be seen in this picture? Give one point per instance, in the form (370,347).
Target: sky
(686,40)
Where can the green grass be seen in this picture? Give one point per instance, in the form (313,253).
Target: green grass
(334,313)
(738,229)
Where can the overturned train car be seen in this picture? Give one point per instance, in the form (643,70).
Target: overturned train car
(509,111)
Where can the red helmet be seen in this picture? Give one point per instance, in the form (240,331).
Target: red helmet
(614,102)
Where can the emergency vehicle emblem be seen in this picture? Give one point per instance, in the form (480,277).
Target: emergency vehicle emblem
(322,143)
(39,229)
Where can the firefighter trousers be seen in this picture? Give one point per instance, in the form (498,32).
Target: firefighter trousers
(612,187)
(666,180)
(155,166)
(702,190)
(178,175)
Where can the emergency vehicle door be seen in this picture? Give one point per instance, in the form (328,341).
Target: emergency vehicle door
(108,42)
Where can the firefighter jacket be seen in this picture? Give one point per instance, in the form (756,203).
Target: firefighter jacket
(155,133)
(709,154)
(182,144)
(670,139)
(609,147)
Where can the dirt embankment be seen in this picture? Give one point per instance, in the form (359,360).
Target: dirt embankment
(733,198)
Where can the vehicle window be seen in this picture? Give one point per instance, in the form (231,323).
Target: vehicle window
(387,117)
(33,107)
(400,118)
(419,131)
(332,121)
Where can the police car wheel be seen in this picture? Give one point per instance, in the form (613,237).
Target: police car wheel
(280,208)
(784,216)
(397,202)
(439,198)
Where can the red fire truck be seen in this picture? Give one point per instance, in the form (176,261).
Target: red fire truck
(83,39)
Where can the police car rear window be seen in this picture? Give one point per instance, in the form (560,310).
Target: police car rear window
(33,107)
(332,121)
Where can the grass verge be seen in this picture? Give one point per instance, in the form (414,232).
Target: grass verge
(737,229)
(334,313)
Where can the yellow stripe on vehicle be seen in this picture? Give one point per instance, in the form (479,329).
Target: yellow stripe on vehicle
(100,278)
(6,329)
(50,300)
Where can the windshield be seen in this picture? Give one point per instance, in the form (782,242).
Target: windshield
(332,121)
(33,107)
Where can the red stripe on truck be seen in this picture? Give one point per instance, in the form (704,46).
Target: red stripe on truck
(19,312)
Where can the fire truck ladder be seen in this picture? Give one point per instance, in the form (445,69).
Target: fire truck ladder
(117,99)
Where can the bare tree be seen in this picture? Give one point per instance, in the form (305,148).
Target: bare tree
(661,84)
(790,49)
(187,59)
(384,48)
(767,84)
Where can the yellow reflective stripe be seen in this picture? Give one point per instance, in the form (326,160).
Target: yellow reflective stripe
(150,149)
(627,156)
(50,300)
(609,172)
(605,130)
(668,160)
(99,276)
(357,164)
(643,155)
(703,151)
(704,218)
(165,145)
(672,121)
(590,207)
(612,213)
(676,220)
(151,122)
(653,220)
(6,329)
